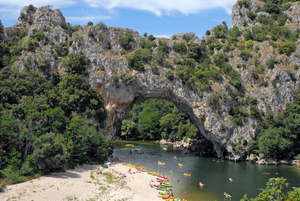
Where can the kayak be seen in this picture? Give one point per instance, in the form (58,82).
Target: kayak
(165,149)
(201,185)
(162,176)
(167,197)
(180,165)
(162,193)
(161,163)
(129,145)
(162,189)
(166,185)
(124,148)
(186,174)
(158,186)
(227,195)
(162,179)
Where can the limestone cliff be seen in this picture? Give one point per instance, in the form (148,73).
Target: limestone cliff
(209,110)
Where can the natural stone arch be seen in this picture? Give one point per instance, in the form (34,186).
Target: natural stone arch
(119,99)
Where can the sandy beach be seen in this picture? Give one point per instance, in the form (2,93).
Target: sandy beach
(83,183)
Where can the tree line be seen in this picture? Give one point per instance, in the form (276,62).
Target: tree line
(49,123)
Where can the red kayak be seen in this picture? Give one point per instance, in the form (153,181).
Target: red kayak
(162,176)
(162,179)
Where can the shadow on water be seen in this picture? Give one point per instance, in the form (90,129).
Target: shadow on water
(247,178)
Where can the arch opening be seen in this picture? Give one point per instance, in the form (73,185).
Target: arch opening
(156,119)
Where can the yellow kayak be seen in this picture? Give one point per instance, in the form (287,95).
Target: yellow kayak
(161,163)
(186,174)
(180,165)
(165,149)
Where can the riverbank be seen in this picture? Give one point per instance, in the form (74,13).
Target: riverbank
(84,183)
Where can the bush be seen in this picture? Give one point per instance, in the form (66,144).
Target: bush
(239,113)
(61,49)
(271,63)
(136,61)
(151,38)
(90,23)
(170,75)
(220,59)
(187,38)
(127,79)
(245,3)
(39,35)
(221,31)
(116,79)
(126,40)
(30,21)
(259,37)
(162,46)
(249,44)
(251,15)
(31,44)
(287,48)
(245,54)
(76,63)
(30,8)
(180,48)
(50,154)
(254,111)
(248,35)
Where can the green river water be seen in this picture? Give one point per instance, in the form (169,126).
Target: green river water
(247,178)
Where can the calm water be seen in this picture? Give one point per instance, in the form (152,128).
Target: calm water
(248,178)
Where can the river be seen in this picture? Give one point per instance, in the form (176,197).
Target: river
(248,178)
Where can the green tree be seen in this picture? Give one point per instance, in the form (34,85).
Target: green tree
(49,154)
(76,63)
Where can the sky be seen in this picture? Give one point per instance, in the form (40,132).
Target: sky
(161,18)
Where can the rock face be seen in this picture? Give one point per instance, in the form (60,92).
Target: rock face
(43,15)
(108,61)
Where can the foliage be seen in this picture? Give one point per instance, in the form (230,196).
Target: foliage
(221,31)
(271,63)
(170,75)
(245,3)
(196,51)
(127,79)
(180,48)
(275,189)
(61,49)
(187,37)
(137,60)
(251,15)
(147,44)
(287,48)
(245,54)
(31,44)
(76,63)
(126,40)
(157,119)
(279,135)
(48,125)
(49,154)
(238,114)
